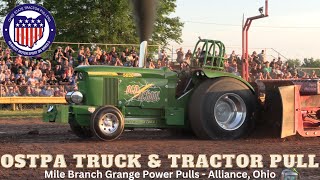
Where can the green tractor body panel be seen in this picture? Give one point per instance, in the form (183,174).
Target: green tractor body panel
(145,97)
(56,113)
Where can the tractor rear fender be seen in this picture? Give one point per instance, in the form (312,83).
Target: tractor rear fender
(216,74)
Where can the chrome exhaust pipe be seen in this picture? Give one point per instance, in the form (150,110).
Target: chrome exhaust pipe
(143,53)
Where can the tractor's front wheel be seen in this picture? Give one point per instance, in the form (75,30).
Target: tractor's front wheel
(107,123)
(221,108)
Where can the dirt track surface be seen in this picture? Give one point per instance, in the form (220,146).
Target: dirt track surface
(15,138)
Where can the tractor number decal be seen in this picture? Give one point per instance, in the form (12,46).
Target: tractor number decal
(143,94)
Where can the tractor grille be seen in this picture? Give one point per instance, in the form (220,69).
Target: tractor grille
(110,91)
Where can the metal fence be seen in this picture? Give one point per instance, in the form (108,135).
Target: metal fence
(31,97)
(35,91)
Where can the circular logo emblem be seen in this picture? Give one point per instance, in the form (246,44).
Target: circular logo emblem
(29,29)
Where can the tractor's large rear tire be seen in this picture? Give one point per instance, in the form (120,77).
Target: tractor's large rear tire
(107,123)
(222,108)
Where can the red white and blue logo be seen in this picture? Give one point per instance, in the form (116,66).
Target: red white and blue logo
(29,29)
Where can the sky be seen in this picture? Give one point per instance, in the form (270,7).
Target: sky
(292,28)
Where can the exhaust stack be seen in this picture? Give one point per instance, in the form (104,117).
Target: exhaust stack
(144,13)
(143,53)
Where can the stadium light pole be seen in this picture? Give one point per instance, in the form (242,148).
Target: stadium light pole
(245,29)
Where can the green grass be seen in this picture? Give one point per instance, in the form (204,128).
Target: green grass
(28,113)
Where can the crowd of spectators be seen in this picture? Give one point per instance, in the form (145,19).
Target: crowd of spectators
(26,76)
(260,68)
(54,76)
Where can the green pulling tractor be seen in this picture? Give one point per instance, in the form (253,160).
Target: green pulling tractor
(213,103)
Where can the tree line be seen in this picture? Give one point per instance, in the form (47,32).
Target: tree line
(100,21)
(307,62)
